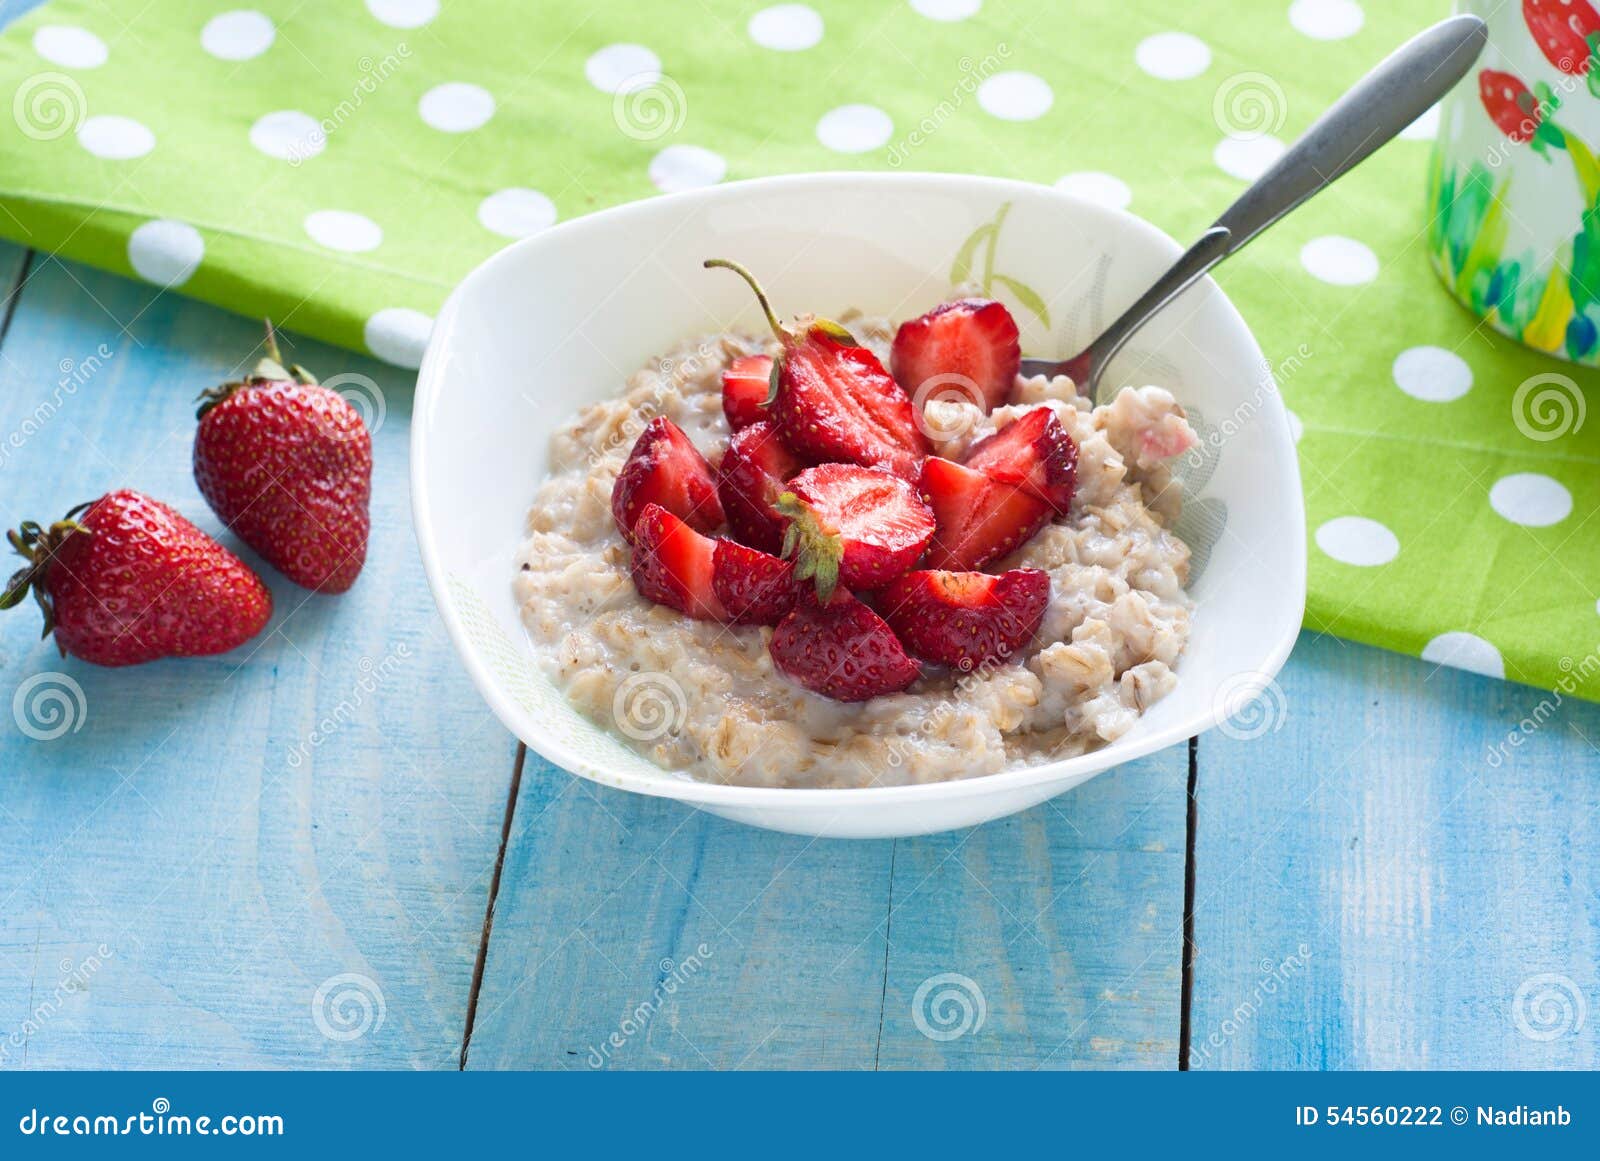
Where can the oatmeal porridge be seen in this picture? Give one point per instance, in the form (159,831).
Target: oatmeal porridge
(1109,621)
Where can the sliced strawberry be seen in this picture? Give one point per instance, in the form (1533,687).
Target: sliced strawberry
(753,587)
(746,383)
(835,402)
(841,650)
(1034,451)
(854,526)
(750,479)
(969,345)
(666,468)
(979,518)
(673,565)
(966,619)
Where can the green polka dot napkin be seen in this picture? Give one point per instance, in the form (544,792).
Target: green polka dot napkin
(339,165)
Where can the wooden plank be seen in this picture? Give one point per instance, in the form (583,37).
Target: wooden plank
(1068,922)
(190,864)
(1070,915)
(1385,881)
(633,932)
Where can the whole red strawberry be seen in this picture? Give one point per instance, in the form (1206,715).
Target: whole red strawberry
(287,464)
(125,579)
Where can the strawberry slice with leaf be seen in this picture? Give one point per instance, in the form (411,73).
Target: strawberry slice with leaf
(970,345)
(832,399)
(750,478)
(979,518)
(853,526)
(966,619)
(746,384)
(1035,452)
(665,468)
(841,649)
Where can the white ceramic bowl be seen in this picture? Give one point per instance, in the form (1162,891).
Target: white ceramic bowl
(559,320)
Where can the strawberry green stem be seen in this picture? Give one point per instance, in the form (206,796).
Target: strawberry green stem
(269,368)
(761,296)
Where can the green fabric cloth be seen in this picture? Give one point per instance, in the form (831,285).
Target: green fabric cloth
(886,84)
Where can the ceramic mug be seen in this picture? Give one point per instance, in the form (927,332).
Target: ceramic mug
(1514,186)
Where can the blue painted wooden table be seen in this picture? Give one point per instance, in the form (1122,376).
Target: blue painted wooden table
(322,850)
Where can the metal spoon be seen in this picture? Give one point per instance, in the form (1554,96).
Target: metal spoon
(1394,94)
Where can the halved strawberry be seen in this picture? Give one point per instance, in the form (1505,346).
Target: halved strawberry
(746,383)
(979,518)
(753,587)
(835,402)
(1035,451)
(750,479)
(673,565)
(841,650)
(969,345)
(665,468)
(854,526)
(966,619)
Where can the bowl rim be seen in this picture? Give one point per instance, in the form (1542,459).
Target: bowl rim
(681,786)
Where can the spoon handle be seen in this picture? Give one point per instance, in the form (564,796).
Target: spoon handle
(1403,86)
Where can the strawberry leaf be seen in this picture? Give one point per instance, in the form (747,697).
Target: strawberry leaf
(1027,296)
(773,381)
(815,549)
(961,267)
(834,331)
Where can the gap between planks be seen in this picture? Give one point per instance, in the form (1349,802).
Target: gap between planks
(488,911)
(1186,987)
(14,293)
